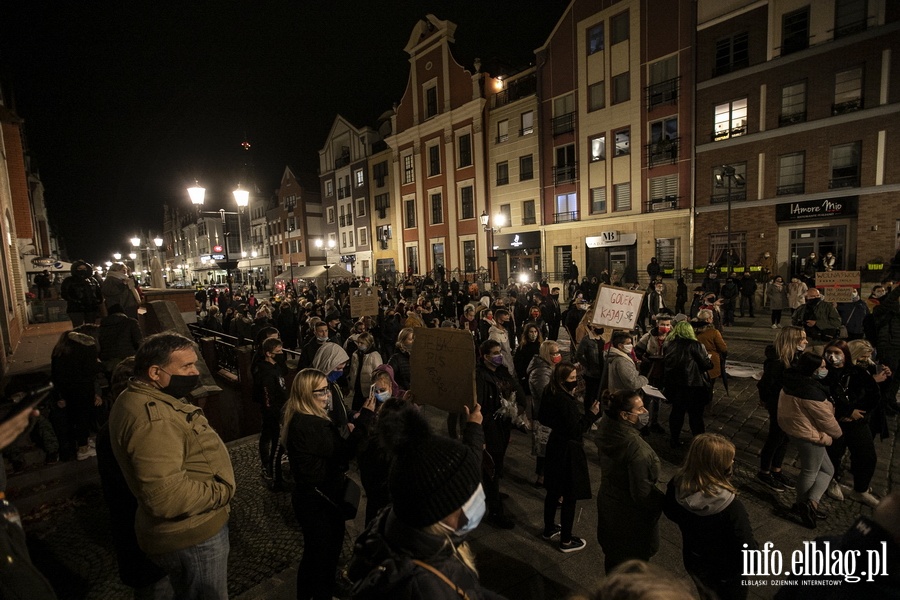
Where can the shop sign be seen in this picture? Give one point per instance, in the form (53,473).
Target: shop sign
(610,238)
(817,209)
(515,241)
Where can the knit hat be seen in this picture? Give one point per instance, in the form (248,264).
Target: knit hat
(431,476)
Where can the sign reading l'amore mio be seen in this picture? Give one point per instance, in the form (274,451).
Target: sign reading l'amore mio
(828,208)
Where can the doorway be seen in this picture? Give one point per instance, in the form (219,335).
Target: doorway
(621,261)
(819,240)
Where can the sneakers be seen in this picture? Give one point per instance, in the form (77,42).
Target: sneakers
(784,480)
(769,480)
(573,545)
(866,498)
(834,491)
(774,326)
(85,453)
(553,534)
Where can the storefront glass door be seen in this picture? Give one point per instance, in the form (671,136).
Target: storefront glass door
(819,240)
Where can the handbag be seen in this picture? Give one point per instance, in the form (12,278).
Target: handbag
(349,499)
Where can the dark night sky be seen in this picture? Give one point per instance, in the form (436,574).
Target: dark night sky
(126,103)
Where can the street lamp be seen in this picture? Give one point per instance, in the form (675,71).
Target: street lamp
(491,228)
(727,177)
(197,195)
(117,256)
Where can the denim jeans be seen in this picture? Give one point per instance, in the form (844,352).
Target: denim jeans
(816,471)
(201,571)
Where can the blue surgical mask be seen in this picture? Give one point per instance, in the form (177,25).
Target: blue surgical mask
(382,396)
(821,373)
(334,376)
(474,509)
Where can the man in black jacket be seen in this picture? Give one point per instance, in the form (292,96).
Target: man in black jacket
(119,337)
(270,392)
(748,291)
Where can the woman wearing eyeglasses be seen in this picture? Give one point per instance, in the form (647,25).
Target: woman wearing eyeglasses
(319,453)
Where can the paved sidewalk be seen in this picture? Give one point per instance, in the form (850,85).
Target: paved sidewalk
(71,542)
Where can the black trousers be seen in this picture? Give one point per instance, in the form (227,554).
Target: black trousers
(566,516)
(858,439)
(772,454)
(690,401)
(323,538)
(496,440)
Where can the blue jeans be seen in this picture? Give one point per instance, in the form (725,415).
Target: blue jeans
(816,471)
(201,571)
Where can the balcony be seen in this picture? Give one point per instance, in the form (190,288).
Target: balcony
(842,108)
(791,119)
(564,174)
(789,190)
(502,138)
(738,195)
(565,217)
(526,131)
(662,204)
(563,124)
(847,181)
(344,192)
(665,92)
(663,152)
(529,220)
(516,89)
(342,161)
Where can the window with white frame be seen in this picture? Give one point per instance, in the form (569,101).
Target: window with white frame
(329,188)
(566,208)
(437,208)
(464,143)
(360,177)
(467,202)
(528,215)
(730,119)
(361,207)
(409,169)
(431,100)
(526,168)
(362,236)
(595,39)
(434,160)
(793,103)
(597,148)
(409,209)
(623,142)
(350,239)
(330,213)
(527,123)
(502,173)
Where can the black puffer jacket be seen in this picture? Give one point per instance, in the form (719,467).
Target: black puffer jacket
(383,566)
(686,363)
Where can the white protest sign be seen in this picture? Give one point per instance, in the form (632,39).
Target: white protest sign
(617,308)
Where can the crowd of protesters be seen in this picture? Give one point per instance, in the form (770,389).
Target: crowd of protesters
(333,387)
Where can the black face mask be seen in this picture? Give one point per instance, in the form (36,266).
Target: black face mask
(569,386)
(181,385)
(812,301)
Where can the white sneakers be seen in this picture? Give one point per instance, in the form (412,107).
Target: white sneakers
(85,453)
(864,498)
(834,491)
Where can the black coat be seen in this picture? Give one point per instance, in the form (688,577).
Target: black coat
(711,542)
(399,361)
(119,336)
(686,363)
(565,468)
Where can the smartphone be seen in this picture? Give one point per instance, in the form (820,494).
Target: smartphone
(24,402)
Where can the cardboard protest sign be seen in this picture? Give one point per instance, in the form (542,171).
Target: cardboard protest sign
(442,368)
(837,286)
(617,308)
(363,302)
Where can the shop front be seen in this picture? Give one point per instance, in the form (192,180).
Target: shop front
(518,256)
(614,251)
(817,227)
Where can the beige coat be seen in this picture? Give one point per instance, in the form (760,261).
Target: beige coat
(810,420)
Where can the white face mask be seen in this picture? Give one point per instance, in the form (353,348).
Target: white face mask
(627,348)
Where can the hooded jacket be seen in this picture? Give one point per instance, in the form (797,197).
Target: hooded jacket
(714,530)
(805,411)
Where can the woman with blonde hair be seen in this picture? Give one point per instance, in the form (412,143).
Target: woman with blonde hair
(399,361)
(319,456)
(790,342)
(715,528)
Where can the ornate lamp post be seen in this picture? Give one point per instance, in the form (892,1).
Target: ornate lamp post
(726,177)
(197,195)
(491,226)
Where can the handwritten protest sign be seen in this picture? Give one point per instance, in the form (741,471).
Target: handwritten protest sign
(442,368)
(838,285)
(363,302)
(617,308)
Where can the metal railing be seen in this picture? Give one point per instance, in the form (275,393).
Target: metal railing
(342,161)
(564,174)
(847,181)
(664,92)
(797,117)
(736,196)
(849,106)
(662,152)
(662,204)
(563,123)
(787,190)
(225,345)
(565,217)
(724,134)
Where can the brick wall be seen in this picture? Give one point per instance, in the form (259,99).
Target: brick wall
(18,180)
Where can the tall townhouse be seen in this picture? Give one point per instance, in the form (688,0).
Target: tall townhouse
(515,190)
(615,85)
(344,185)
(294,224)
(385,212)
(797,111)
(439,158)
(256,262)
